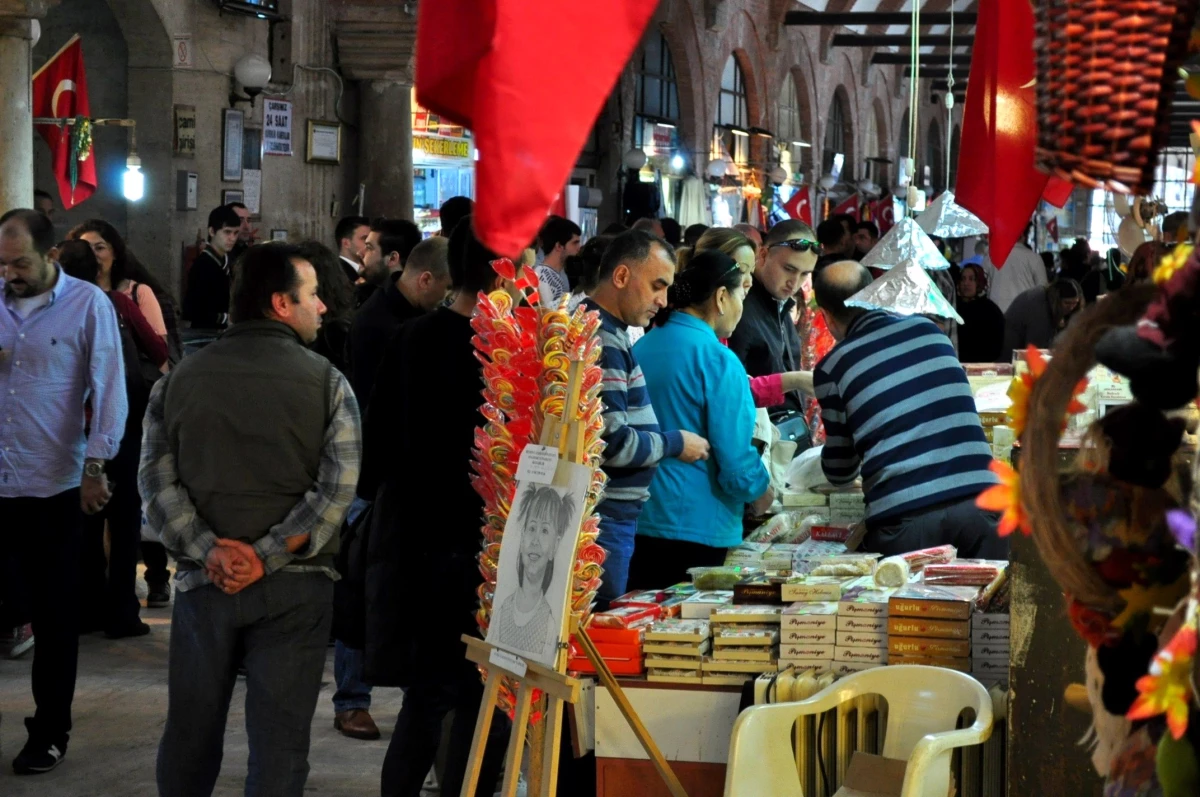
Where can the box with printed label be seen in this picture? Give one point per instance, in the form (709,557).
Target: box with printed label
(959,664)
(807,636)
(815,588)
(987,636)
(727,667)
(861,655)
(751,613)
(867,602)
(789,651)
(921,626)
(806,664)
(841,668)
(922,646)
(862,639)
(991,621)
(809,616)
(998,669)
(866,625)
(701,605)
(933,602)
(995,652)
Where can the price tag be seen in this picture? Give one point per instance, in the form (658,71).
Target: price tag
(537,464)
(507,661)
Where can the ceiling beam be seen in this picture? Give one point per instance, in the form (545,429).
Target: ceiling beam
(927,59)
(823,18)
(898,40)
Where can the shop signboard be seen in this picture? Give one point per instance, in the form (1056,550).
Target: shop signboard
(442,147)
(277,127)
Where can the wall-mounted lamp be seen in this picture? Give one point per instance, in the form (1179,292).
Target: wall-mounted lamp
(762,132)
(252,72)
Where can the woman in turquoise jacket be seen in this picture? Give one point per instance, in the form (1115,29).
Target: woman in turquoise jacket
(696,383)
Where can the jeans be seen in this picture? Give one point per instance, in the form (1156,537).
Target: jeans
(43,535)
(616,538)
(111,600)
(282,623)
(351,692)
(960,523)
(419,730)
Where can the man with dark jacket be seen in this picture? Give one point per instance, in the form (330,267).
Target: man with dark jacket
(424,534)
(206,302)
(388,245)
(250,459)
(766,340)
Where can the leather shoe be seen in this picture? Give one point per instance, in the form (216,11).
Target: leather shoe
(357,724)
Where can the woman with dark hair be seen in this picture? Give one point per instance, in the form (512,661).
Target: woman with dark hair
(1039,315)
(1144,260)
(981,335)
(116,609)
(583,269)
(697,384)
(336,293)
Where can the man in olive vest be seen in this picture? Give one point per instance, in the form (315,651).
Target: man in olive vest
(249,462)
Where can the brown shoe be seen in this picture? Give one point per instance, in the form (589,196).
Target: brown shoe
(357,724)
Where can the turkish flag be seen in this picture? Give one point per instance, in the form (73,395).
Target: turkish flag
(800,205)
(997,180)
(885,214)
(848,205)
(1052,229)
(60,90)
(513,71)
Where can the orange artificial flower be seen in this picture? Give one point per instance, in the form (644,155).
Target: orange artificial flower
(1022,388)
(1006,497)
(1168,687)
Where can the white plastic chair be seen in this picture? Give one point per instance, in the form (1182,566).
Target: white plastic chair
(924,704)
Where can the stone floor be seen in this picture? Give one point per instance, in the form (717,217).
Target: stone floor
(120,708)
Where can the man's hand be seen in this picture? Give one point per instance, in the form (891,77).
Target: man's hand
(94,494)
(233,565)
(695,447)
(296,543)
(760,506)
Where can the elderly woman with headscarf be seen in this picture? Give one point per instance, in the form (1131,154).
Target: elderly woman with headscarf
(981,335)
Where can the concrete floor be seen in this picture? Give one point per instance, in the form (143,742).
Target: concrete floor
(121,705)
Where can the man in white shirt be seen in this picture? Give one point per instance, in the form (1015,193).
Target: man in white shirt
(558,239)
(351,235)
(1022,270)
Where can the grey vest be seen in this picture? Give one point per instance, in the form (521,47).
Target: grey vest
(246,417)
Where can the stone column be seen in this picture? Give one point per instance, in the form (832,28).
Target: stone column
(16,115)
(385,147)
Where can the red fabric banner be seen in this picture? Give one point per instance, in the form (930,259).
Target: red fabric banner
(60,90)
(800,205)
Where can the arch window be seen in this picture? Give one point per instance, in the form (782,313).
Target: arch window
(935,158)
(789,131)
(733,113)
(835,144)
(656,91)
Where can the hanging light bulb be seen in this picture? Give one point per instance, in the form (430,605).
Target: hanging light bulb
(828,182)
(134,184)
(677,162)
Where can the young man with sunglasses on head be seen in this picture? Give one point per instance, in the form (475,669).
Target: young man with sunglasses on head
(766,340)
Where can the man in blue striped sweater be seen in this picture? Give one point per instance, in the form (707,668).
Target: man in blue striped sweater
(635,273)
(898,411)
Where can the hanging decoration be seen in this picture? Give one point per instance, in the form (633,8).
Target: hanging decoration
(906,290)
(945,218)
(1105,78)
(526,354)
(906,241)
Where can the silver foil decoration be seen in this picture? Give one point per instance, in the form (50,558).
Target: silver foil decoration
(906,290)
(946,218)
(905,241)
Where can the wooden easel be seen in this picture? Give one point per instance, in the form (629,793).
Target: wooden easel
(557,687)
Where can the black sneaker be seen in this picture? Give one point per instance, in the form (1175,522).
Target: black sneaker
(159,596)
(137,629)
(38,757)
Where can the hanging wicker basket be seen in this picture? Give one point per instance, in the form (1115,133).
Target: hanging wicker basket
(1106,72)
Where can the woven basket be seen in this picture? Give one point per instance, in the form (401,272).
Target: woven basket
(1106,71)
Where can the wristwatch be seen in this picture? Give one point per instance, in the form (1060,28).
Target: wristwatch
(93,469)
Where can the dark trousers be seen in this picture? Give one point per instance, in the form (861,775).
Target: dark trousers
(42,535)
(659,563)
(155,557)
(419,729)
(282,622)
(959,523)
(110,602)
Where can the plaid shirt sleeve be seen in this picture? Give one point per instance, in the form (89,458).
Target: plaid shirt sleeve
(169,508)
(324,506)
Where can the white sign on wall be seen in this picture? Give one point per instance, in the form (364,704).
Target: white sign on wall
(277,127)
(183,52)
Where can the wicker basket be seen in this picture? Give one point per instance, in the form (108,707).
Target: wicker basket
(1106,72)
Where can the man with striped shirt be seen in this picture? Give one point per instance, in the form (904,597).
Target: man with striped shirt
(635,273)
(899,412)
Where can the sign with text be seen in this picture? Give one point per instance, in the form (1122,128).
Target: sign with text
(183,52)
(185,131)
(277,127)
(442,148)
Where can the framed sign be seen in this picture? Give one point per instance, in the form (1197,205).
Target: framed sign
(252,138)
(233,195)
(279,235)
(184,145)
(324,142)
(233,122)
(277,127)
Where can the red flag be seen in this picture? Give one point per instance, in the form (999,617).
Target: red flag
(60,90)
(1052,229)
(997,180)
(848,205)
(1058,191)
(800,205)
(885,214)
(513,72)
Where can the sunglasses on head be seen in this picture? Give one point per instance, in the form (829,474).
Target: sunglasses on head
(800,245)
